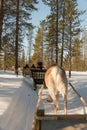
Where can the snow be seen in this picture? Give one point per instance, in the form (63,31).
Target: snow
(75,105)
(18,100)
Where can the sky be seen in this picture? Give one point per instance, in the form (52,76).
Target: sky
(83,6)
(39,15)
(43,11)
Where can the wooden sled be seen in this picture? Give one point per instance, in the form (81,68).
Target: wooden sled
(61,121)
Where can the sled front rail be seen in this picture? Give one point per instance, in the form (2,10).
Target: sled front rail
(57,122)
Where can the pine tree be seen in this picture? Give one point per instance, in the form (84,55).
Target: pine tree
(37,56)
(76,55)
(68,28)
(14,27)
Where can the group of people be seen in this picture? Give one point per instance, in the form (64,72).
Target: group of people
(38,65)
(26,68)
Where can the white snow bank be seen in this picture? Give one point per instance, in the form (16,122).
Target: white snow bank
(19,111)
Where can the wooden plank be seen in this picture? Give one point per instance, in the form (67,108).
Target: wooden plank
(40,112)
(41,116)
(53,121)
(63,125)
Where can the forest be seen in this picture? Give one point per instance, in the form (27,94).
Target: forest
(59,38)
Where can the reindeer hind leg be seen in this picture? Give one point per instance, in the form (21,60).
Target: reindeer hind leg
(65,104)
(54,98)
(39,97)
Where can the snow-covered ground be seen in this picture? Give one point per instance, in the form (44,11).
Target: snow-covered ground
(75,105)
(18,100)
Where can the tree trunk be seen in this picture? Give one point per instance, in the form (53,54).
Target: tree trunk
(56,32)
(70,51)
(63,36)
(1,21)
(16,41)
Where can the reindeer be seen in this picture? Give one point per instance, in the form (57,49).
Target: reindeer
(56,82)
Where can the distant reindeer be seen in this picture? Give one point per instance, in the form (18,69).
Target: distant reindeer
(56,82)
